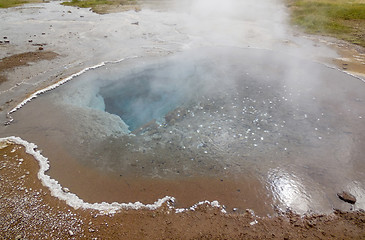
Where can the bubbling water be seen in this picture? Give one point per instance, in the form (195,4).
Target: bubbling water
(223,113)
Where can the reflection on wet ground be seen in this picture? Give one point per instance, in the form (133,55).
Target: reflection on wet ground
(241,116)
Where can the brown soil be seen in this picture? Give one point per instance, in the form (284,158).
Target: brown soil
(23,59)
(105,9)
(2,79)
(28,211)
(352,58)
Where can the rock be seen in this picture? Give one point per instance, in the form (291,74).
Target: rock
(286,236)
(347,197)
(253,222)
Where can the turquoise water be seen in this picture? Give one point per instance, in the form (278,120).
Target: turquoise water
(295,126)
(148,95)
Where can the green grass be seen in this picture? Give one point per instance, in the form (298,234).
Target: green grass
(337,18)
(14,3)
(88,3)
(99,6)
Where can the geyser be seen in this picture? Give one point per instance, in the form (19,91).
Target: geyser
(221,113)
(146,96)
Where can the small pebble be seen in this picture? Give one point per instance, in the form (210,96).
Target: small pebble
(347,197)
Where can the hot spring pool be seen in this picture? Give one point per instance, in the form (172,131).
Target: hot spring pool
(150,94)
(252,128)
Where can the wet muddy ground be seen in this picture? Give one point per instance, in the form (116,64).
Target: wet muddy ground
(30,212)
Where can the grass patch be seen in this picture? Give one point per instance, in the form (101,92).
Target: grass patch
(99,6)
(343,19)
(87,3)
(14,3)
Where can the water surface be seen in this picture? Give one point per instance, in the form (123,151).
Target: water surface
(251,128)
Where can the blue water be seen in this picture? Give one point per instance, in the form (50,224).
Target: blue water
(149,95)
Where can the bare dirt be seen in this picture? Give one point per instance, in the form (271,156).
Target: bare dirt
(28,211)
(22,59)
(351,57)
